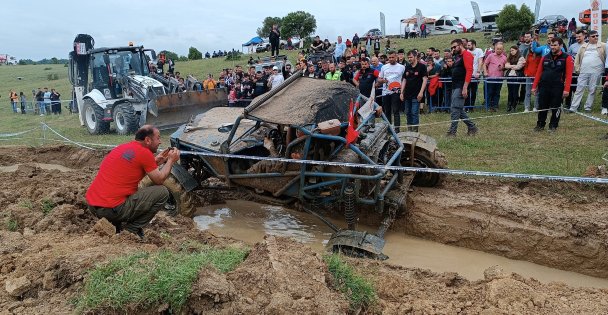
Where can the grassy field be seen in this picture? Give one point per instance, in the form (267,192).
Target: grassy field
(504,144)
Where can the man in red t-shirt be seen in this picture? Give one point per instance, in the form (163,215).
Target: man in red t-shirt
(114,193)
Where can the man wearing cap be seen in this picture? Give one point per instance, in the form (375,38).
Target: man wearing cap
(589,64)
(275,79)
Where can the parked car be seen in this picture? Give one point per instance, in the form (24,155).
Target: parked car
(552,20)
(265,45)
(374,32)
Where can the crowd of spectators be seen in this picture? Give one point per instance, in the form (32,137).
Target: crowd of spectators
(44,102)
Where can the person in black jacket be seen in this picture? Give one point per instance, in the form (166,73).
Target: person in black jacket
(274,37)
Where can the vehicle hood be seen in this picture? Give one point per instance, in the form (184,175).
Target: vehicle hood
(146,81)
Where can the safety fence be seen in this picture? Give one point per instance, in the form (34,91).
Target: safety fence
(441,99)
(47,130)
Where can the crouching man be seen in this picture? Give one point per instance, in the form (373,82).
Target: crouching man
(114,192)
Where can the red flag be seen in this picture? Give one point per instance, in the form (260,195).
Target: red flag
(351,133)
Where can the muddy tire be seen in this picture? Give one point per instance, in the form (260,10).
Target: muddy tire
(125,119)
(180,202)
(423,159)
(93,118)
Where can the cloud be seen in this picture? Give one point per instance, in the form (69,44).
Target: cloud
(42,30)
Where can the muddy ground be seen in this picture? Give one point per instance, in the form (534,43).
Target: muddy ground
(43,263)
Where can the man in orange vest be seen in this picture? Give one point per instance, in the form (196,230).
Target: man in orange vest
(13,96)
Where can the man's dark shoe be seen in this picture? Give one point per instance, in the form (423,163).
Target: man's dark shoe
(472,131)
(539,128)
(450,134)
(140,233)
(118,226)
(552,129)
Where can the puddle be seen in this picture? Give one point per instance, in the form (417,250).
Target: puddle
(250,221)
(13,168)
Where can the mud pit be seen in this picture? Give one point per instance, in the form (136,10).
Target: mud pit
(43,263)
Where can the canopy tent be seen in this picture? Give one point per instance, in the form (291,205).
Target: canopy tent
(426,20)
(254,41)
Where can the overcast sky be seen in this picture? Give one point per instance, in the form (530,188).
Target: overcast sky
(36,30)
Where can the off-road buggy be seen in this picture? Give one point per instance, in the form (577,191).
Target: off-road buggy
(307,119)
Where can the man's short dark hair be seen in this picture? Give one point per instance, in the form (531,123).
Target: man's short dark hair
(391,52)
(558,40)
(401,51)
(457,41)
(143,132)
(412,53)
(528,32)
(551,33)
(580,32)
(474,42)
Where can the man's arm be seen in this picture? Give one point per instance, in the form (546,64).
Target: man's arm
(158,176)
(569,70)
(356,79)
(539,73)
(467,59)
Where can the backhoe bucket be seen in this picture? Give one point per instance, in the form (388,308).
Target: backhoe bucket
(176,109)
(357,244)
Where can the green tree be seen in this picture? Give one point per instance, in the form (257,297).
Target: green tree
(170,55)
(269,21)
(512,22)
(182,58)
(54,60)
(194,54)
(298,23)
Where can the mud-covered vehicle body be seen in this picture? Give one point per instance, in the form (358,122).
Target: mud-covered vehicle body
(308,119)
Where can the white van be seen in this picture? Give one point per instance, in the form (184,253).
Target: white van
(488,21)
(443,24)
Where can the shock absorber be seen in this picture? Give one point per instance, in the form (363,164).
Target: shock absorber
(350,210)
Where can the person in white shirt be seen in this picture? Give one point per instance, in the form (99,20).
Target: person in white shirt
(477,61)
(390,78)
(276,78)
(589,64)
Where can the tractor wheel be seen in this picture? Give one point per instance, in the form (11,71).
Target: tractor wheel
(180,201)
(125,119)
(423,159)
(453,32)
(93,118)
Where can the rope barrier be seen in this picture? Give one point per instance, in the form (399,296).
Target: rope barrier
(66,139)
(586,180)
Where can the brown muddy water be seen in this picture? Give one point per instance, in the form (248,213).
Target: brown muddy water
(249,222)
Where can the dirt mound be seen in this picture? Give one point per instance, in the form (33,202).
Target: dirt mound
(415,291)
(65,155)
(49,240)
(279,276)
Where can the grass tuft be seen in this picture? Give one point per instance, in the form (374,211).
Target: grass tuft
(12,224)
(359,291)
(47,206)
(27,204)
(143,280)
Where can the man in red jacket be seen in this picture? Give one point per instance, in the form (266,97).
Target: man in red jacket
(552,83)
(114,193)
